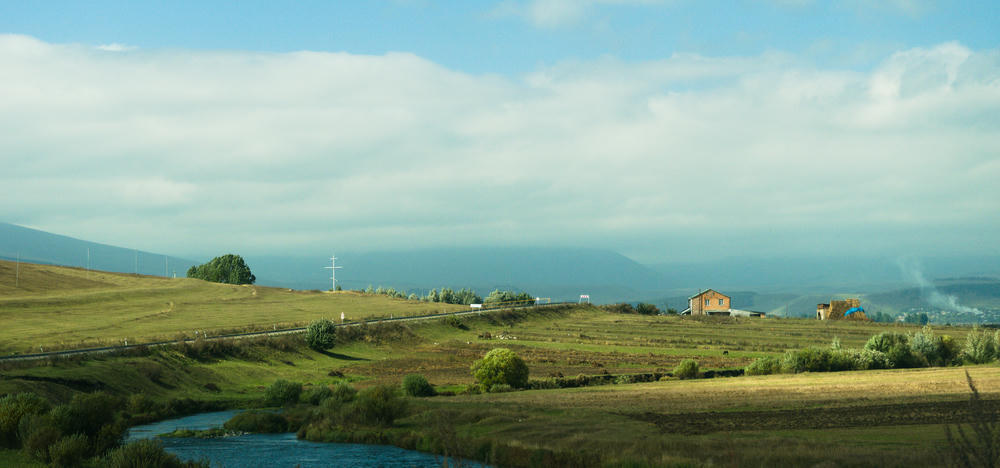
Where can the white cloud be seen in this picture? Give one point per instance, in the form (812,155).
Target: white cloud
(115,47)
(298,151)
(556,13)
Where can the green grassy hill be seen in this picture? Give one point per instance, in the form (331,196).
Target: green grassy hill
(60,308)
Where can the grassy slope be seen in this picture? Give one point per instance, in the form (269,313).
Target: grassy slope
(58,308)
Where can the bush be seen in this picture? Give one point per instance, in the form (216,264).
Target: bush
(501,388)
(321,335)
(87,413)
(687,369)
(416,385)
(980,346)
(817,360)
(501,366)
(317,395)
(380,405)
(69,451)
(38,433)
(257,421)
(764,366)
(146,453)
(867,359)
(282,392)
(343,392)
(12,409)
(887,340)
(647,309)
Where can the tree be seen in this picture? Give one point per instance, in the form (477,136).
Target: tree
(647,309)
(508,299)
(321,335)
(501,366)
(229,269)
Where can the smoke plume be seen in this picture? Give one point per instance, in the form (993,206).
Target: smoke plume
(911,270)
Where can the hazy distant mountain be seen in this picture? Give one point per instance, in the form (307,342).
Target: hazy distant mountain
(36,246)
(560,273)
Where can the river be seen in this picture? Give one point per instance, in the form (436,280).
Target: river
(275,450)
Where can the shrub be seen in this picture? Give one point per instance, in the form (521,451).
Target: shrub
(86,413)
(416,385)
(343,392)
(817,360)
(949,351)
(456,322)
(380,405)
(282,392)
(886,340)
(501,366)
(146,453)
(647,309)
(764,366)
(980,346)
(317,395)
(867,359)
(501,388)
(38,433)
(12,409)
(257,421)
(687,369)
(924,343)
(897,347)
(321,335)
(69,451)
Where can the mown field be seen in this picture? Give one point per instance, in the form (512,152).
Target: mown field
(63,308)
(862,418)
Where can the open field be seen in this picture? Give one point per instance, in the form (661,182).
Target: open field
(871,418)
(59,308)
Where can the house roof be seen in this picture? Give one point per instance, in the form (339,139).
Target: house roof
(706,292)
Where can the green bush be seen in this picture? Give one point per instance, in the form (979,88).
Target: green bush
(380,405)
(416,385)
(87,413)
(317,395)
(68,452)
(229,268)
(501,366)
(867,359)
(764,366)
(817,360)
(687,369)
(37,433)
(321,335)
(887,340)
(257,421)
(343,392)
(647,309)
(980,346)
(282,392)
(949,351)
(12,409)
(146,453)
(501,388)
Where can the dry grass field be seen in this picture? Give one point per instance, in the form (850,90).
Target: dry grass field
(64,308)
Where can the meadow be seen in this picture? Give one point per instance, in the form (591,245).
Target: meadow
(862,418)
(55,308)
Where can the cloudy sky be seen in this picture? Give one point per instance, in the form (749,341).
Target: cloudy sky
(665,130)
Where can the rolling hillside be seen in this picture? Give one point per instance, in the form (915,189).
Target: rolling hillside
(57,307)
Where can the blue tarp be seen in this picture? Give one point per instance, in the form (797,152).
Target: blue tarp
(853,310)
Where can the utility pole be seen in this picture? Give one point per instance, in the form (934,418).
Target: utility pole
(333,272)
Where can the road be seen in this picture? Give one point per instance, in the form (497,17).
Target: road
(285,331)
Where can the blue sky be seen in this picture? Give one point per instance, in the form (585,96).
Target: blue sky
(666,130)
(511,37)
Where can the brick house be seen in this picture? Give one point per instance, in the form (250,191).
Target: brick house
(709,302)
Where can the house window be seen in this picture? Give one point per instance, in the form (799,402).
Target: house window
(707,301)
(720,301)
